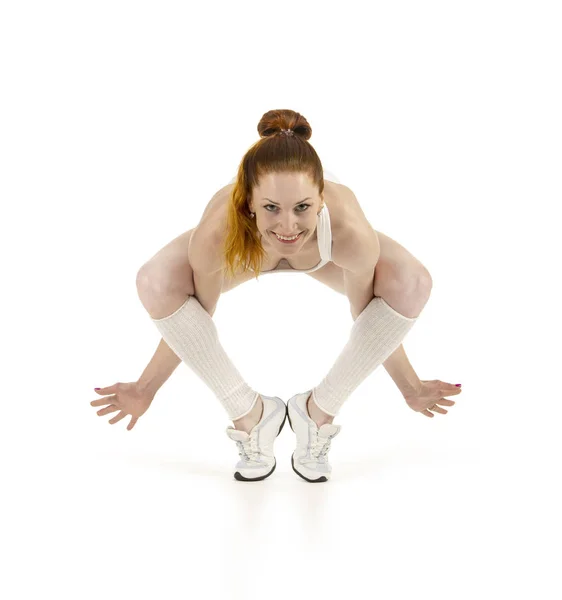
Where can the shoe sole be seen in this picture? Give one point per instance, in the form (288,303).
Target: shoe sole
(321,479)
(240,477)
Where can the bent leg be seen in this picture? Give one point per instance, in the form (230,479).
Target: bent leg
(191,333)
(189,330)
(375,334)
(166,280)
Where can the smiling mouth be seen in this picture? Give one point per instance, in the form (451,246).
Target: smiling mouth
(287,241)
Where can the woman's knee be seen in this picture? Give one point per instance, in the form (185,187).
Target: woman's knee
(160,295)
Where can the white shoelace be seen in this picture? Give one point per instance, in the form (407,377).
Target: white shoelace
(249,450)
(319,449)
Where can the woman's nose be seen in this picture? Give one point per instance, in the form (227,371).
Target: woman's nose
(289,224)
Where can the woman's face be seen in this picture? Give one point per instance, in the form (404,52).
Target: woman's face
(286,204)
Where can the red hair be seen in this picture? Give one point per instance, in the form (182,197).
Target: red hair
(274,152)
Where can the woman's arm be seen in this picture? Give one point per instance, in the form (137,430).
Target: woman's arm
(159,369)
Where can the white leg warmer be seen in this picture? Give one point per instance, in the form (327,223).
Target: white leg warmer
(192,334)
(375,334)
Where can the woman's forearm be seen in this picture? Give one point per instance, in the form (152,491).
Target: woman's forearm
(160,367)
(399,368)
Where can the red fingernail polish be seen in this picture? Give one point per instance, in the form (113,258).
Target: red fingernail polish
(458,384)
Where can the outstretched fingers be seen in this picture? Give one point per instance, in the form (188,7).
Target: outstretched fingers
(118,417)
(107,410)
(102,401)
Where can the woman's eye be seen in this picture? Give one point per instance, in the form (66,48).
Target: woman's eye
(273,205)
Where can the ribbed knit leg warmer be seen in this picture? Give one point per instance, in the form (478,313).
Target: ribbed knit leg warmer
(192,334)
(375,334)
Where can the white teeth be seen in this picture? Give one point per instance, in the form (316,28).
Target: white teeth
(287,239)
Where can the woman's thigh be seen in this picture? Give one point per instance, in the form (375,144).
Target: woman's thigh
(394,257)
(395,263)
(169,268)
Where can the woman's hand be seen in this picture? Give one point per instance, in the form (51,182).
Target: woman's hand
(429,395)
(128,398)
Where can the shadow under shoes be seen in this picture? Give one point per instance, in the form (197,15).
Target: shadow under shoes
(257,460)
(310,458)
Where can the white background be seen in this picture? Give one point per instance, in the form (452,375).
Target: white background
(118,122)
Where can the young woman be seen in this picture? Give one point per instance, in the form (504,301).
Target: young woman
(281,213)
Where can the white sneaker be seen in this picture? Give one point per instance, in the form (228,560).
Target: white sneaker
(257,460)
(310,458)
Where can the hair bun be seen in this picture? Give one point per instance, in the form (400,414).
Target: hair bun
(274,121)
